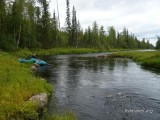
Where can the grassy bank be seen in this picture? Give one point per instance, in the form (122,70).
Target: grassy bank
(17,85)
(65,116)
(55,51)
(147,59)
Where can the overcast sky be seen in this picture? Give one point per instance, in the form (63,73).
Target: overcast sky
(141,17)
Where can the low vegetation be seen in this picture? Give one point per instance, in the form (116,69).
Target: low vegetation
(64,116)
(17,85)
(55,51)
(148,59)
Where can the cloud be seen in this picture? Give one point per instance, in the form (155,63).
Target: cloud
(141,17)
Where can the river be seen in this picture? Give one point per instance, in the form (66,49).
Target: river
(102,88)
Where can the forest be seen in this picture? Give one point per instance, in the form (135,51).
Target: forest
(28,24)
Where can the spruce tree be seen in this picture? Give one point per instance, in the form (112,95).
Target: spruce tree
(112,36)
(68,22)
(95,37)
(46,36)
(102,42)
(158,43)
(74,29)
(55,30)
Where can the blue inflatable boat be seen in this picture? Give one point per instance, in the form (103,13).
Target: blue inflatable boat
(33,60)
(40,62)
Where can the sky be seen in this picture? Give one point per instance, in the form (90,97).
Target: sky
(141,17)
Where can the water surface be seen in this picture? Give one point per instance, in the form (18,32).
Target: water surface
(103,88)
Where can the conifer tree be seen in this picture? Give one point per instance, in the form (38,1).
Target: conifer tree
(95,37)
(102,42)
(158,43)
(68,22)
(112,36)
(55,30)
(74,29)
(46,36)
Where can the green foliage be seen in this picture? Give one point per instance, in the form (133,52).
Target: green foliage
(6,42)
(25,24)
(148,59)
(158,43)
(95,36)
(64,116)
(55,51)
(112,36)
(68,22)
(55,36)
(74,28)
(45,35)
(17,86)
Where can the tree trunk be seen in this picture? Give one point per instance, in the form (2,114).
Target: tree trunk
(19,36)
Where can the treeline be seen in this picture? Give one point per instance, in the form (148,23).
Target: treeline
(98,38)
(158,43)
(28,24)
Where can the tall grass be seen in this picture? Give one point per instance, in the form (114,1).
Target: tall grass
(148,59)
(17,85)
(65,116)
(55,51)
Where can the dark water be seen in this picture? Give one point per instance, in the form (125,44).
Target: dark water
(103,89)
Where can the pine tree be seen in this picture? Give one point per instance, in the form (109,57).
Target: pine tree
(2,16)
(95,37)
(3,43)
(17,16)
(158,43)
(79,34)
(68,21)
(46,36)
(74,29)
(118,40)
(102,36)
(112,36)
(55,30)
(30,22)
(90,37)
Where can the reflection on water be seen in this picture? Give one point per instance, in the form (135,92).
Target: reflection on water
(103,89)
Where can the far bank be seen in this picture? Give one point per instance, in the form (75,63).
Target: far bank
(149,59)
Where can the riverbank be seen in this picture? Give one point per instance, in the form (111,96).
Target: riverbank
(145,58)
(58,51)
(17,85)
(54,51)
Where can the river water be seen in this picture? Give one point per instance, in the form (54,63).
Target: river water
(102,88)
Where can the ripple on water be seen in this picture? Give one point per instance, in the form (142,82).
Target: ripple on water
(132,106)
(104,89)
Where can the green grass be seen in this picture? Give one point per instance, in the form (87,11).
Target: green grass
(56,51)
(147,59)
(65,116)
(17,85)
